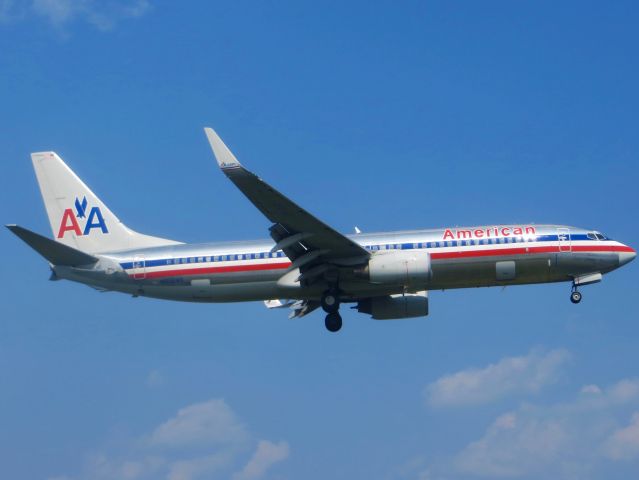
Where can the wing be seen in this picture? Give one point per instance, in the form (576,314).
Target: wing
(306,240)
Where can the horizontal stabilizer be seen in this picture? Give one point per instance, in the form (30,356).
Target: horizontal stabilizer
(55,252)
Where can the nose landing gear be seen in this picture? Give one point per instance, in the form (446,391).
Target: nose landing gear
(575,295)
(330,304)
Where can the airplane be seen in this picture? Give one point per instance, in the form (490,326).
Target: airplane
(306,264)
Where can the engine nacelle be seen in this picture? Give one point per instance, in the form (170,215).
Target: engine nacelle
(398,267)
(395,306)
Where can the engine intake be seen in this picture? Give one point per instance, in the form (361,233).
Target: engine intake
(392,307)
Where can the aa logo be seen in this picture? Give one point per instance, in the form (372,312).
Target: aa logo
(70,219)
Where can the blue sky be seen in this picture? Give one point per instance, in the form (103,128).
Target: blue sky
(382,115)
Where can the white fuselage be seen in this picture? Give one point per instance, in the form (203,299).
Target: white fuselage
(460,258)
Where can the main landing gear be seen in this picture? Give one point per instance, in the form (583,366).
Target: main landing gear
(330,304)
(575,295)
(333,322)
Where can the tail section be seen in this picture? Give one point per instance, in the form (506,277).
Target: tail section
(78,217)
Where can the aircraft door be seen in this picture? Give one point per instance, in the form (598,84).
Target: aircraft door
(139,265)
(563,235)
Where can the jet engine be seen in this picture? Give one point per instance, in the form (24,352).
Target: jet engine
(398,267)
(393,307)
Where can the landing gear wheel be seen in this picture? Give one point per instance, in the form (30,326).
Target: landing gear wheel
(575,297)
(330,301)
(333,322)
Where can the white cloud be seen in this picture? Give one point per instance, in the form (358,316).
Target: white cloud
(207,423)
(8,10)
(511,375)
(594,389)
(266,454)
(623,391)
(623,444)
(202,441)
(199,466)
(56,11)
(514,445)
(103,14)
(565,440)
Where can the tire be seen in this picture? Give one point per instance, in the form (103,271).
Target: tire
(575,297)
(333,322)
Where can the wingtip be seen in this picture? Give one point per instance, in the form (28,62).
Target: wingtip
(43,155)
(223,156)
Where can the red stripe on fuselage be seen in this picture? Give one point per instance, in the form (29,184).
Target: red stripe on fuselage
(603,248)
(530,250)
(228,269)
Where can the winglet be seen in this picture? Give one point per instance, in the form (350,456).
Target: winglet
(225,159)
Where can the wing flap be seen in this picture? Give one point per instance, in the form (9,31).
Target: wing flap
(299,308)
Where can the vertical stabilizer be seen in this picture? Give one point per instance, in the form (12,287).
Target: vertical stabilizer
(78,217)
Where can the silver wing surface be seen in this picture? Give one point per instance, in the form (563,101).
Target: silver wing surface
(312,246)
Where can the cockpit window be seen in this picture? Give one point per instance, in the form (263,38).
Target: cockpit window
(596,236)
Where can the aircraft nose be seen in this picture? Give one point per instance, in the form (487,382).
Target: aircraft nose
(627,256)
